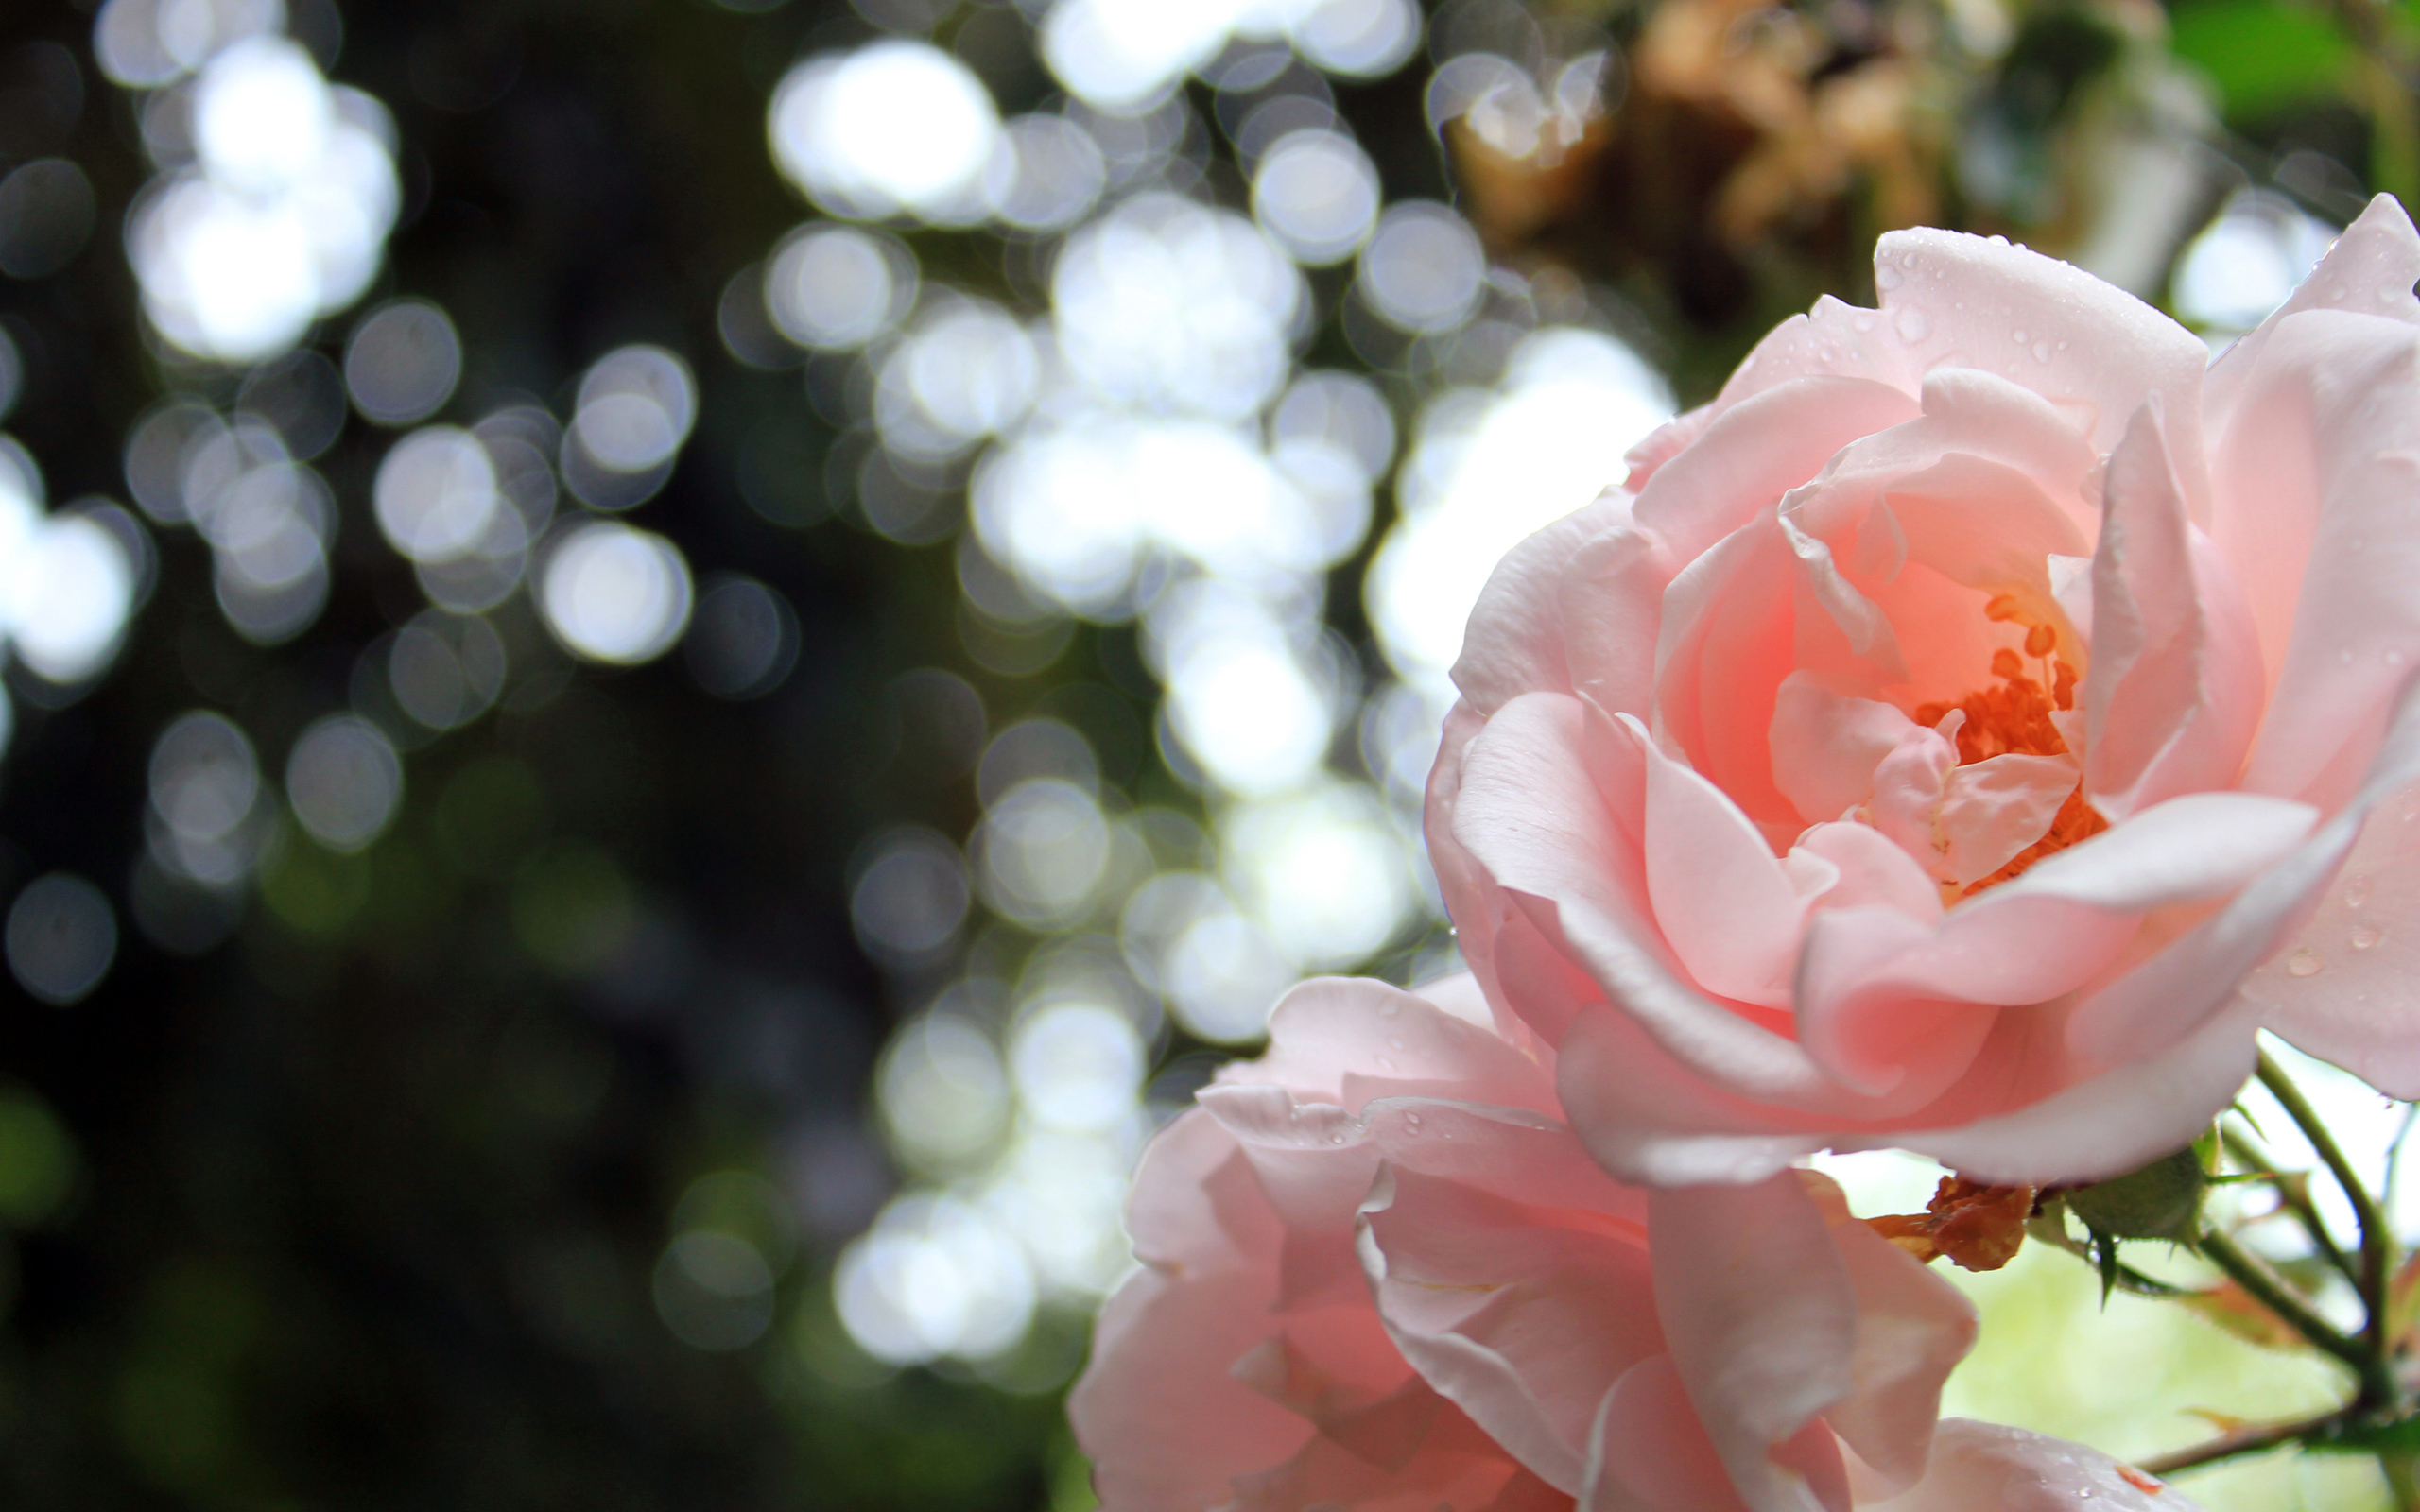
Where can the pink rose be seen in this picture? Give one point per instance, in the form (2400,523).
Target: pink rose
(1948,737)
(1382,1274)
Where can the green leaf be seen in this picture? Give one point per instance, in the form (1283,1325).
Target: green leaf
(2261,54)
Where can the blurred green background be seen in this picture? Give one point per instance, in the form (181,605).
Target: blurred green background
(676,666)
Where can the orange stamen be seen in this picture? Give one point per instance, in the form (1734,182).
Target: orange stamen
(2014,717)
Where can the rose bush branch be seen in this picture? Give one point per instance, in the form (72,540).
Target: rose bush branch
(2378,1238)
(2294,1191)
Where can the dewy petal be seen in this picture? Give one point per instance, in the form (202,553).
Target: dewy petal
(1833,339)
(1982,418)
(1528,815)
(2342,989)
(1330,1035)
(2176,682)
(2084,342)
(2319,473)
(1757,451)
(1987,1468)
(1762,1318)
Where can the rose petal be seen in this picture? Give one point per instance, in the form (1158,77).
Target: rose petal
(2176,681)
(1912,1328)
(1514,642)
(1503,1309)
(1758,450)
(1331,1033)
(1762,1320)
(2084,342)
(1650,1453)
(2098,1126)
(1720,896)
(1612,608)
(1162,1437)
(1987,1468)
(2319,472)
(1825,746)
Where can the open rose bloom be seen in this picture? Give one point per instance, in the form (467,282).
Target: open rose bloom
(1965,731)
(1382,1274)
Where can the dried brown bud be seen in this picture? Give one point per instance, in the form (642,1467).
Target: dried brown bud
(1977,1227)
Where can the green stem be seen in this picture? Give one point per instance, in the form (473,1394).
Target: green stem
(2249,1440)
(2296,1198)
(2270,1291)
(2378,1240)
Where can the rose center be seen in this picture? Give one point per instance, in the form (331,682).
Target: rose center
(2011,716)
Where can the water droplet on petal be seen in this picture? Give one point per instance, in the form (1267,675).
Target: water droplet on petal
(1385,1063)
(1390,1010)
(2041,351)
(1912,323)
(1394,1043)
(2018,336)
(2367,936)
(1886,278)
(2356,892)
(1336,1139)
(2304,962)
(1864,322)
(1413,1119)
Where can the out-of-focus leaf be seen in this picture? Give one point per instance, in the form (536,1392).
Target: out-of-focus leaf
(2239,1313)
(2261,54)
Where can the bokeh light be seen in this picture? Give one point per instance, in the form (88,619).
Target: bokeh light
(839,287)
(275,210)
(60,937)
(615,593)
(67,583)
(2247,261)
(1317,194)
(910,897)
(743,639)
(402,362)
(344,780)
(896,127)
(1487,469)
(206,819)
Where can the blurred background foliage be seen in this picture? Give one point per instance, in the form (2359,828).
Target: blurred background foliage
(676,666)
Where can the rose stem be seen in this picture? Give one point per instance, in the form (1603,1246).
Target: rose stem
(2271,1292)
(2249,1440)
(2377,1240)
(2295,1196)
